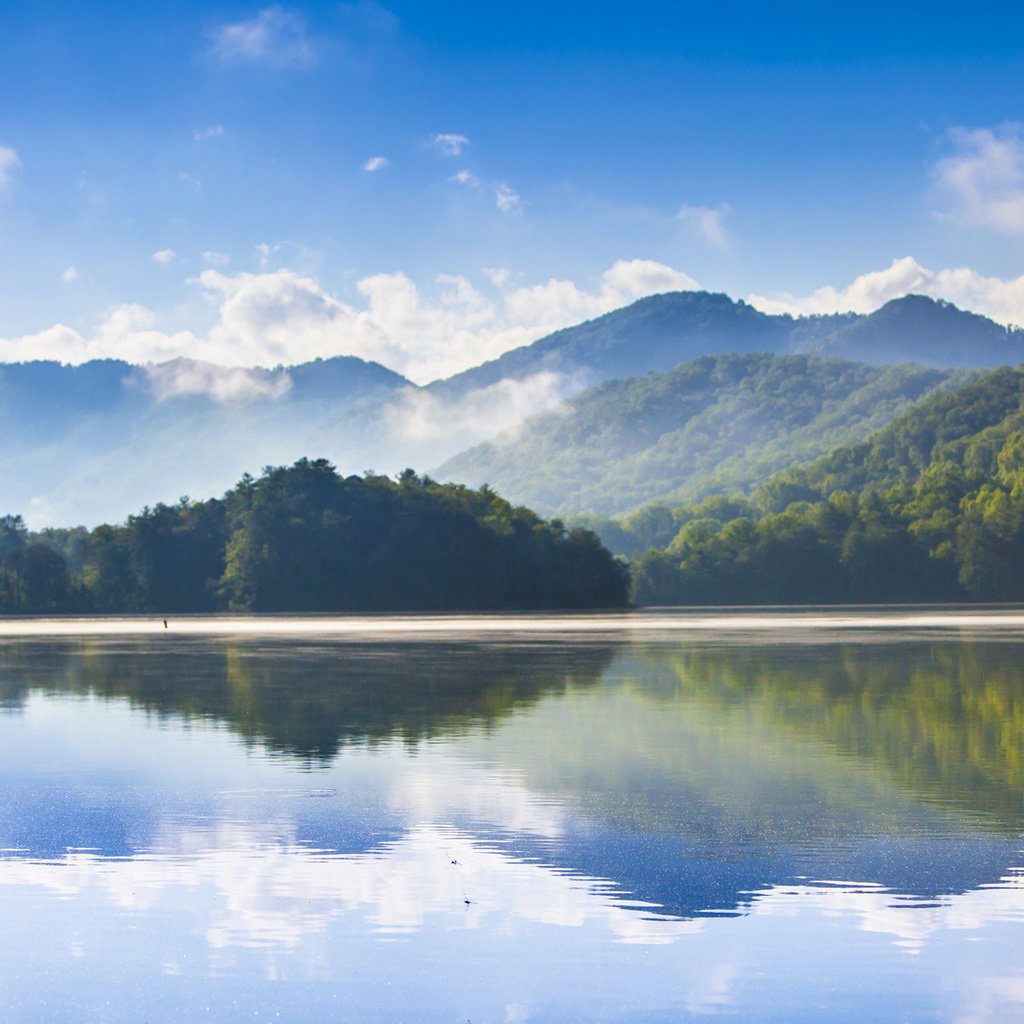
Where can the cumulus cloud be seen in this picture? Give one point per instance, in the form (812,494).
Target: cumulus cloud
(216,259)
(280,317)
(707,223)
(999,298)
(275,38)
(465,177)
(376,163)
(982,180)
(507,199)
(9,163)
(182,378)
(448,143)
(560,302)
(164,256)
(70,274)
(126,332)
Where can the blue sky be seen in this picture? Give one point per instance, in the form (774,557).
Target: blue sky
(429,184)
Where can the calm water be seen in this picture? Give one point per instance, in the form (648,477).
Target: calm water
(635,818)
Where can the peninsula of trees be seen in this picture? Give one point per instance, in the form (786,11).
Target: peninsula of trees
(304,539)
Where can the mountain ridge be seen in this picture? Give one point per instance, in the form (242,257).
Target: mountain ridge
(712,425)
(185,426)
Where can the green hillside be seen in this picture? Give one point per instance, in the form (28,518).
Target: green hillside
(305,539)
(715,425)
(931,508)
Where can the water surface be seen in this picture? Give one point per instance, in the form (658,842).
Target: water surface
(659,817)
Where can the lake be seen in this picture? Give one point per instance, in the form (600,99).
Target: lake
(765,816)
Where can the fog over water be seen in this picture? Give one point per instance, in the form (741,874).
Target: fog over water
(761,623)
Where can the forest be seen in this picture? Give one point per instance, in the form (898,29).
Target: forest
(716,424)
(302,538)
(931,508)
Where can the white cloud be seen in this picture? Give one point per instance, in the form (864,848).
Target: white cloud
(983,180)
(182,378)
(9,162)
(282,317)
(707,222)
(999,298)
(465,177)
(507,199)
(485,412)
(164,256)
(448,143)
(127,332)
(215,131)
(70,274)
(216,259)
(275,38)
(376,163)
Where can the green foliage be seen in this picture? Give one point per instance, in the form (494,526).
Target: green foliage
(715,425)
(303,539)
(931,508)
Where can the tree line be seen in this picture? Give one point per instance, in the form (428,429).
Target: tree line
(929,509)
(302,538)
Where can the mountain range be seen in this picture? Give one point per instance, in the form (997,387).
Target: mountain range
(94,442)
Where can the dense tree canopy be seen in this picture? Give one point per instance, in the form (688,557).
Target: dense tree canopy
(929,509)
(714,425)
(301,539)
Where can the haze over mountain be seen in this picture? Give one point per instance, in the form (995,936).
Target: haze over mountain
(718,424)
(86,443)
(93,442)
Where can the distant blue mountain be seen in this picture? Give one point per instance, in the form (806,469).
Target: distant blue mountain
(660,332)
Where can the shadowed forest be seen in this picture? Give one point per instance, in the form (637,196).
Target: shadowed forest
(304,539)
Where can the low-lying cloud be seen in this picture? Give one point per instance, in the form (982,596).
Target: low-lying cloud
(485,412)
(186,378)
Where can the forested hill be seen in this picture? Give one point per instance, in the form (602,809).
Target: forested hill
(660,332)
(304,539)
(931,508)
(719,424)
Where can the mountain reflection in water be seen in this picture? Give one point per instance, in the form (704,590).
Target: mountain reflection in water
(244,794)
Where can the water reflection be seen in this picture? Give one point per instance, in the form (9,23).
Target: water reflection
(305,698)
(626,828)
